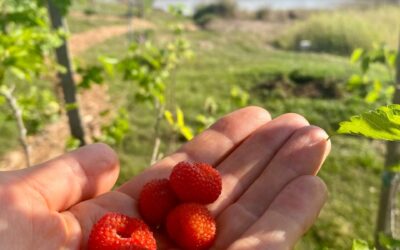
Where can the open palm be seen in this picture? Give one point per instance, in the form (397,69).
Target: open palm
(270,194)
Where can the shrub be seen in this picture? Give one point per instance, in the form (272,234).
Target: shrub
(267,14)
(341,32)
(263,14)
(205,13)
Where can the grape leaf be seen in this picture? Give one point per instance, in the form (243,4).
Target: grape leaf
(382,123)
(388,241)
(169,117)
(356,55)
(360,245)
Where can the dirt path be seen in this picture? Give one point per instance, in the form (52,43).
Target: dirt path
(51,141)
(83,41)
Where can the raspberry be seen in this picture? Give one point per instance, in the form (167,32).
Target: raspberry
(196,182)
(156,200)
(191,226)
(118,231)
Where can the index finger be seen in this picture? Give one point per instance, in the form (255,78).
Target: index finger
(211,146)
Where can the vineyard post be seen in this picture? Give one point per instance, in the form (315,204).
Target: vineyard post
(66,77)
(390,179)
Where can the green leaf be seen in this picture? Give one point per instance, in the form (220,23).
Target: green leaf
(91,75)
(360,245)
(115,131)
(186,132)
(375,93)
(383,123)
(391,59)
(365,64)
(389,92)
(394,168)
(72,143)
(204,122)
(169,117)
(355,82)
(210,105)
(356,55)
(239,97)
(180,119)
(71,106)
(388,242)
(202,119)
(108,63)
(20,74)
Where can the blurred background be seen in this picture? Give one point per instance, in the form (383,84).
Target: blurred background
(145,76)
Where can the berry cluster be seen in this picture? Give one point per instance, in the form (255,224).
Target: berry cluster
(176,205)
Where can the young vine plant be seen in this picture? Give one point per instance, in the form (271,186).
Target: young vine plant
(382,123)
(371,89)
(26,42)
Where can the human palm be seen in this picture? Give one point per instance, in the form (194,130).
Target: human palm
(270,194)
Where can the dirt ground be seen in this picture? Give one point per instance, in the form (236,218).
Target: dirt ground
(83,41)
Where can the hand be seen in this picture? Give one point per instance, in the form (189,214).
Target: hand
(270,195)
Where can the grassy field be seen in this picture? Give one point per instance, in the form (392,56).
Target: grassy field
(342,31)
(351,171)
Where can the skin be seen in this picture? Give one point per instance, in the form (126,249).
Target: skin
(270,195)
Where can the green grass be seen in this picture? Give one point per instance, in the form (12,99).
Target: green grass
(8,138)
(104,14)
(113,9)
(343,31)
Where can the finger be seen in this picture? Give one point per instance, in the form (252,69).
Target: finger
(302,154)
(290,215)
(81,217)
(210,146)
(73,177)
(248,161)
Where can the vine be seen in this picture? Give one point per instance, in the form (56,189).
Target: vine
(26,42)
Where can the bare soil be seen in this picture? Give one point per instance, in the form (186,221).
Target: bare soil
(83,41)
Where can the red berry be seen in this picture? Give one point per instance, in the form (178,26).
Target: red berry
(191,226)
(117,231)
(196,182)
(156,200)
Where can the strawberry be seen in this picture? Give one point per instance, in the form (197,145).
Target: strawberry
(156,199)
(191,226)
(118,231)
(196,182)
